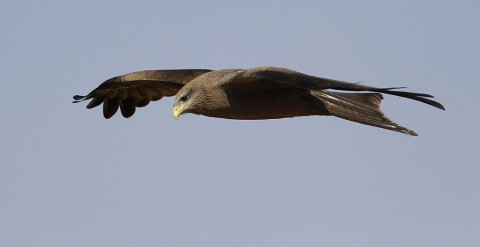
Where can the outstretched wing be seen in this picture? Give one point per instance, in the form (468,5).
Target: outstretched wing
(299,80)
(137,89)
(290,93)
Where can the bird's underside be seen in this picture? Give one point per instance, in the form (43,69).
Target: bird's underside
(252,94)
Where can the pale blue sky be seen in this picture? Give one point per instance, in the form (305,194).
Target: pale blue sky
(68,177)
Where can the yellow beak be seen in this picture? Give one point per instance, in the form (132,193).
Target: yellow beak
(177,111)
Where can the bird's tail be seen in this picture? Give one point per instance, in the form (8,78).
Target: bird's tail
(359,107)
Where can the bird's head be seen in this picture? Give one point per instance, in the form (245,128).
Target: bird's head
(183,101)
(202,96)
(188,100)
(201,100)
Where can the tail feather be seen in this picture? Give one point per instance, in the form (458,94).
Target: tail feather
(359,107)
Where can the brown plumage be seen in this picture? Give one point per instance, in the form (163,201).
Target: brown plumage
(252,94)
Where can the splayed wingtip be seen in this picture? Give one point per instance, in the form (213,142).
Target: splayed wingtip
(79,98)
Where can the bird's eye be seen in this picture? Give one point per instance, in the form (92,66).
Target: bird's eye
(184,98)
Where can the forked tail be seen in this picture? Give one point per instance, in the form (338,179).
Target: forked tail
(359,107)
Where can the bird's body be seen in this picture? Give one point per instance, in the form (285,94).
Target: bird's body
(259,100)
(254,94)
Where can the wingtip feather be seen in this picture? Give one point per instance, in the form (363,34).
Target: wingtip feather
(78,98)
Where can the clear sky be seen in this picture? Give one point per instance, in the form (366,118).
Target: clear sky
(68,177)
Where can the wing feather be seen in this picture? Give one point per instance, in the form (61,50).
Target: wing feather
(137,89)
(110,107)
(299,80)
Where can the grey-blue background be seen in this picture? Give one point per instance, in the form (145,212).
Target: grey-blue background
(68,177)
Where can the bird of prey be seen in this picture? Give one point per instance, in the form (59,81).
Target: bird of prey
(248,94)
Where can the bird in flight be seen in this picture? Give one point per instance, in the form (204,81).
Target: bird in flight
(248,94)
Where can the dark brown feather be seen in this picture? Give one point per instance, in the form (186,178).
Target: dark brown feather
(110,107)
(127,107)
(94,103)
